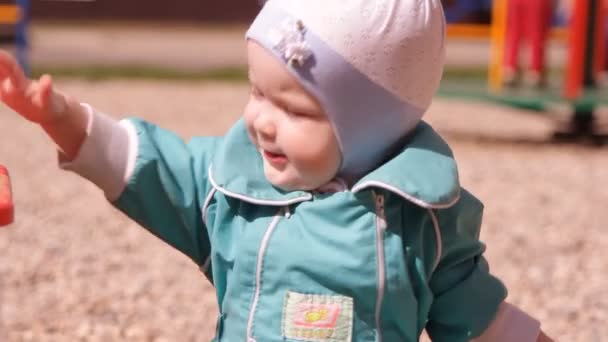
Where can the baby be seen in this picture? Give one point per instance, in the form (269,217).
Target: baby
(330,212)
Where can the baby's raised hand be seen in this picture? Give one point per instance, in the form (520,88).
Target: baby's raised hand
(35,100)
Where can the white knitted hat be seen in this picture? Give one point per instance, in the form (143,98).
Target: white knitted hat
(374,65)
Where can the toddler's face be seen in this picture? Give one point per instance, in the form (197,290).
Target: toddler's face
(288,126)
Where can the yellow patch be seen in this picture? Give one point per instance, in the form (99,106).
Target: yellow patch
(317,318)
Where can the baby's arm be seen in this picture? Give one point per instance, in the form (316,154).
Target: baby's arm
(511,324)
(148,173)
(468,301)
(61,117)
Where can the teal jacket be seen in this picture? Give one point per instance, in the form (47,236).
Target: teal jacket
(397,253)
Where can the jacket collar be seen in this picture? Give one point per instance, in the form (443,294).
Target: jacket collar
(424,172)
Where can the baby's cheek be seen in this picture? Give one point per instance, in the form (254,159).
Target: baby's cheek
(249,117)
(320,160)
(324,148)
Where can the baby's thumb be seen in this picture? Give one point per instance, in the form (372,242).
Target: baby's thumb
(48,97)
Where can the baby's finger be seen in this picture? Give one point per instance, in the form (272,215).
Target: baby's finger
(54,100)
(7,92)
(42,96)
(4,72)
(12,70)
(7,87)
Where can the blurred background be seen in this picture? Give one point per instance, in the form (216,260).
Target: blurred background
(74,269)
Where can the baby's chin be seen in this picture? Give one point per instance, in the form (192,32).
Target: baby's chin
(288,181)
(291,184)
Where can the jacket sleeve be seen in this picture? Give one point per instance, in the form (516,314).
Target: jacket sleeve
(152,176)
(466,296)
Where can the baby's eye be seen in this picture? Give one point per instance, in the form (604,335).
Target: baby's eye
(295,113)
(301,114)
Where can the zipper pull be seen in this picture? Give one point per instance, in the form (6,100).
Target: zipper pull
(379,200)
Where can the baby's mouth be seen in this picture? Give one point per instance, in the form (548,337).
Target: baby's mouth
(274,158)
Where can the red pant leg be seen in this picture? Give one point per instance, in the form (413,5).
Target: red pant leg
(539,14)
(515,32)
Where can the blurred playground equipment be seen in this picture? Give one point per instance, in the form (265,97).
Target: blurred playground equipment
(6,200)
(582,30)
(13,28)
(13,31)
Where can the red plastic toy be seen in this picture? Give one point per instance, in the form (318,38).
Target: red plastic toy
(7,210)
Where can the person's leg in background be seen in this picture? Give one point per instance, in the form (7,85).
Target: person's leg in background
(538,24)
(514,35)
(604,72)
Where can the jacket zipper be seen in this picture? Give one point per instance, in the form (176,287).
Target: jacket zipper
(380,228)
(258,272)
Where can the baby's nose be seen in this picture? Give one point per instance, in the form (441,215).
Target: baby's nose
(265,126)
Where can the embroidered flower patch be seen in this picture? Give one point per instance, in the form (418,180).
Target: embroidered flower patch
(317,318)
(289,41)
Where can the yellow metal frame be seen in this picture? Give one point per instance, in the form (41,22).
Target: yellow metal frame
(484,32)
(9,14)
(498,36)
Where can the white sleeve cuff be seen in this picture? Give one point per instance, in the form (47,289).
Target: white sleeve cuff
(107,155)
(511,325)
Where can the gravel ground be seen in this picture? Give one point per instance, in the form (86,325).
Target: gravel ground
(187,47)
(74,269)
